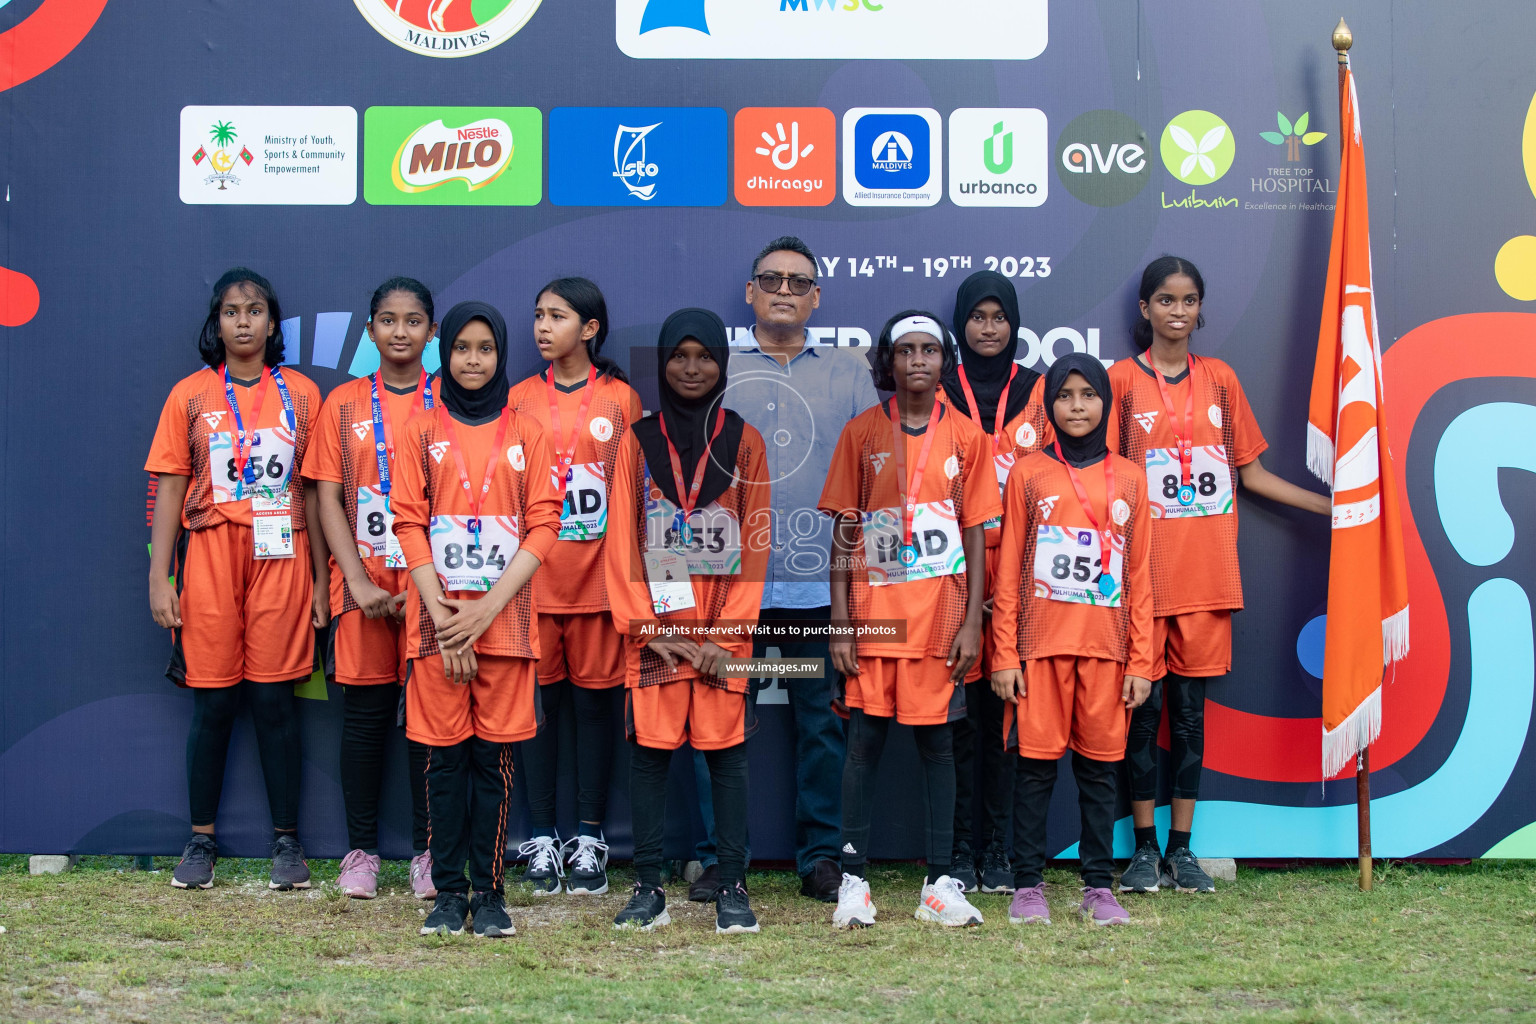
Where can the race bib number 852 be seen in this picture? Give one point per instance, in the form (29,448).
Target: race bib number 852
(1068,566)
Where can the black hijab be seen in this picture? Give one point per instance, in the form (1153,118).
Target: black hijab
(473,406)
(689,422)
(1079,451)
(988,375)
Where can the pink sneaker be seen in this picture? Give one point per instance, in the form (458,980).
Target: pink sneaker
(359,875)
(1101,907)
(1028,906)
(421,877)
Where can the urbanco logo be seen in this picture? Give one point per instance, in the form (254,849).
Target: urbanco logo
(1198,147)
(785,156)
(891,156)
(637,156)
(1101,157)
(453,156)
(830,29)
(447,28)
(997,156)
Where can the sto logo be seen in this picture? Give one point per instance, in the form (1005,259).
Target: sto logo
(674,14)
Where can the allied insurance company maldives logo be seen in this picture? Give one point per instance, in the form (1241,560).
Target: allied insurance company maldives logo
(447,28)
(222,136)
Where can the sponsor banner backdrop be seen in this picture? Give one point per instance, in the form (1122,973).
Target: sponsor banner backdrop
(487,146)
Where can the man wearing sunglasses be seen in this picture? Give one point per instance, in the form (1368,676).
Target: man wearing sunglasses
(798,395)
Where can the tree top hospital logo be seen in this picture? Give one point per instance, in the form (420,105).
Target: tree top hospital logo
(637,156)
(890,157)
(1198,147)
(830,29)
(1101,157)
(453,156)
(447,28)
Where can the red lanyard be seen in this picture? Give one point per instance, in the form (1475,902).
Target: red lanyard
(476,502)
(1106,579)
(567,454)
(915,484)
(1184,439)
(244,437)
(685,505)
(423,397)
(1002,408)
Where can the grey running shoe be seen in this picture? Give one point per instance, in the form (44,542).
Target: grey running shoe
(1182,872)
(448,914)
(1144,871)
(492,921)
(996,872)
(646,909)
(197,860)
(289,869)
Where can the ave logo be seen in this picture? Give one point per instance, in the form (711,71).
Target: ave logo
(1101,157)
(785,156)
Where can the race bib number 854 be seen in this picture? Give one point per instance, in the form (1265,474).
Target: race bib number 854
(465,562)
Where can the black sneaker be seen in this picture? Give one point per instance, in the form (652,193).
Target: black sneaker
(544,872)
(646,910)
(962,866)
(733,911)
(1184,873)
(996,872)
(491,918)
(289,870)
(588,864)
(448,913)
(197,860)
(702,889)
(824,881)
(1145,870)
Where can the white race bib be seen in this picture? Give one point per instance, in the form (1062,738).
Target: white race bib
(463,564)
(585,513)
(667,572)
(271,460)
(936,546)
(710,539)
(1067,566)
(376,528)
(271,523)
(1210,490)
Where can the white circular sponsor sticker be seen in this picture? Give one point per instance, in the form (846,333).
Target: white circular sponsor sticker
(515,456)
(601,427)
(951,467)
(1215,414)
(1121,511)
(1025,435)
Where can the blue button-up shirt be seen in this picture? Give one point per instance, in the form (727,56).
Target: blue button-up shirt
(800,409)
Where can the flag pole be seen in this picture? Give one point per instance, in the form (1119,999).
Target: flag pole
(1343,39)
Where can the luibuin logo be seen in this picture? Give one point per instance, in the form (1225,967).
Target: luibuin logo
(1293,136)
(629,163)
(1197,147)
(222,136)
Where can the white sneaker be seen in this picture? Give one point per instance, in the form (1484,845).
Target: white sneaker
(943,902)
(854,907)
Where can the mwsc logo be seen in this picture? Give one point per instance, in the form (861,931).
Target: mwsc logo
(1101,158)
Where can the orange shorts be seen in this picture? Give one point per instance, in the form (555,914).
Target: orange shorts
(242,618)
(1069,702)
(364,651)
(667,715)
(501,704)
(584,648)
(1192,644)
(914,691)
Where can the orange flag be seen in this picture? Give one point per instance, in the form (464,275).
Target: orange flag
(1347,447)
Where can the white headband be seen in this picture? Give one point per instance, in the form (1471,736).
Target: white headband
(919,325)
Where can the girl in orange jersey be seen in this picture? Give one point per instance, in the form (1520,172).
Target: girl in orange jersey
(587,407)
(248,584)
(686,591)
(1186,422)
(475,513)
(353,465)
(1004,400)
(1072,622)
(911,486)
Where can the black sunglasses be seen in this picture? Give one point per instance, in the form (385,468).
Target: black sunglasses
(797,285)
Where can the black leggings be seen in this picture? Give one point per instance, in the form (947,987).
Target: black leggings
(866,742)
(1186,738)
(369,715)
(1096,810)
(593,711)
(648,805)
(469,787)
(277,741)
(983,724)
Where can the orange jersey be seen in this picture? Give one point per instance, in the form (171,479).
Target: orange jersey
(863,478)
(571,580)
(1194,558)
(428,485)
(343,453)
(1028,625)
(1027,433)
(734,599)
(198,410)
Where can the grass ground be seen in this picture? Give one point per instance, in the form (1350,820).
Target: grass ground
(106,943)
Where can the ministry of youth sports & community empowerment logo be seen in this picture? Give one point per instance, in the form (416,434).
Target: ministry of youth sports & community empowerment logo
(447,28)
(221,161)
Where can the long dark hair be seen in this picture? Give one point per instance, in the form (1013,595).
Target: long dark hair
(1158,271)
(586,299)
(402,284)
(211,347)
(885,350)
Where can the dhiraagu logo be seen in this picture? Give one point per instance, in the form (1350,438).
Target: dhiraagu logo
(1198,147)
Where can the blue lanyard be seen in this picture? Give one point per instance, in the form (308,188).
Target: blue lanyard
(383,447)
(247,470)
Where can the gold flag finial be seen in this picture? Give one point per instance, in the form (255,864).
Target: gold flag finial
(1343,38)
